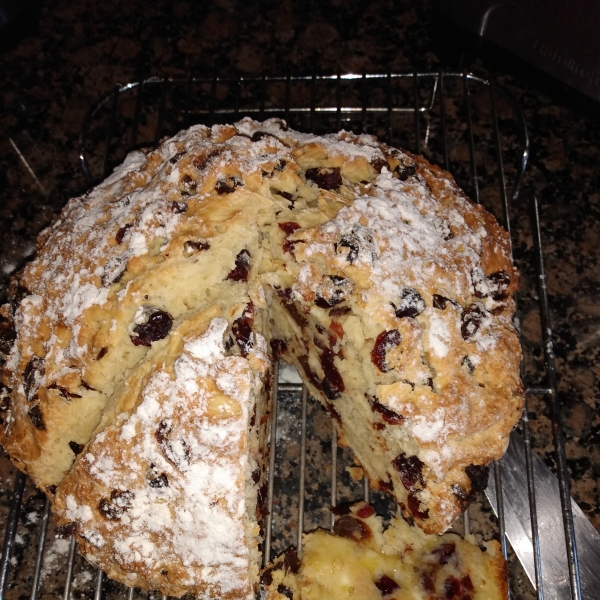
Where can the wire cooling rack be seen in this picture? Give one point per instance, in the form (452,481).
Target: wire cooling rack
(470,126)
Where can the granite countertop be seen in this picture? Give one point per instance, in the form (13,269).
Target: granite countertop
(67,55)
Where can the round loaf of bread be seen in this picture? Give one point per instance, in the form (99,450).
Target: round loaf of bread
(139,343)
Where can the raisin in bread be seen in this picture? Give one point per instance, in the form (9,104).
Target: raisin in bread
(364,266)
(362,560)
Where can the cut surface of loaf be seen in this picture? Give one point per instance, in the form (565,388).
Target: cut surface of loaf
(218,251)
(363,560)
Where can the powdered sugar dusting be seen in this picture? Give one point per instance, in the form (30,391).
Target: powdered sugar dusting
(439,336)
(54,557)
(133,161)
(80,297)
(401,231)
(194,452)
(430,427)
(288,374)
(209,346)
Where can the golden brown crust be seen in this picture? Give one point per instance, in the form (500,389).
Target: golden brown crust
(391,290)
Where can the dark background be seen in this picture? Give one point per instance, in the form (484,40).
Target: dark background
(57,57)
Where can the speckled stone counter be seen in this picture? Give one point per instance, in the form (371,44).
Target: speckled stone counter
(76,52)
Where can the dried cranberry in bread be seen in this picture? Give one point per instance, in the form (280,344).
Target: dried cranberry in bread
(363,560)
(365,266)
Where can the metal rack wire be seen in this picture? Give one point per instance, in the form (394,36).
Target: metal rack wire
(469,125)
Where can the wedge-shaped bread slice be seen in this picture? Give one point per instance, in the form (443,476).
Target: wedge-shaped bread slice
(166,494)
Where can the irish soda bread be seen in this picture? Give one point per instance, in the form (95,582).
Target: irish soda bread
(362,560)
(138,342)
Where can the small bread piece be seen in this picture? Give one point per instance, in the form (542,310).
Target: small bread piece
(361,560)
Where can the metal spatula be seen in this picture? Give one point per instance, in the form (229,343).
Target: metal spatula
(553,554)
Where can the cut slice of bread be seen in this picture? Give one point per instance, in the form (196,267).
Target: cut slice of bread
(362,560)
